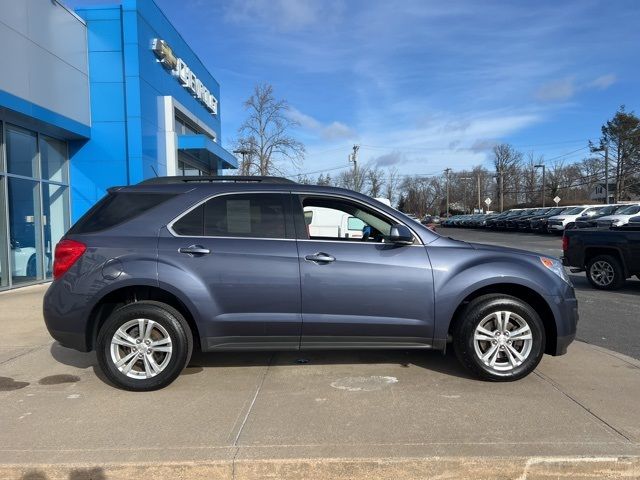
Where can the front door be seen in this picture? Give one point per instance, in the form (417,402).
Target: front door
(361,292)
(238,255)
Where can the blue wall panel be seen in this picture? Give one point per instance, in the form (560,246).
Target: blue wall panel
(127,89)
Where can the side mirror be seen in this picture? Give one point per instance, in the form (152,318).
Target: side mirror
(401,235)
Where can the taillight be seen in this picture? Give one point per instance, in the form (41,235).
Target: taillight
(66,254)
(565,243)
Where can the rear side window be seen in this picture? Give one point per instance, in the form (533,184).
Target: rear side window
(117,208)
(257,215)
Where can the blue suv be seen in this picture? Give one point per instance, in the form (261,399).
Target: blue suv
(157,269)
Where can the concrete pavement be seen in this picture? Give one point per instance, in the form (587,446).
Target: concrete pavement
(311,415)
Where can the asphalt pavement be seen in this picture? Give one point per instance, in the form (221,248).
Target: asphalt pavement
(607,319)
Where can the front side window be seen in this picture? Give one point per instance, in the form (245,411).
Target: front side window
(331,218)
(251,215)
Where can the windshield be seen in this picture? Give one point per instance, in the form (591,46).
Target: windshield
(574,211)
(630,210)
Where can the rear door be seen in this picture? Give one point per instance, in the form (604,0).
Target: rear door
(242,248)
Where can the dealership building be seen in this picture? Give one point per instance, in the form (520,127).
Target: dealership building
(102,96)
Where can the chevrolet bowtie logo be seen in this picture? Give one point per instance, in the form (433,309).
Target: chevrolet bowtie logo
(164,53)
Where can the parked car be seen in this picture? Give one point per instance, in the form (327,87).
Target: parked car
(591,221)
(523,223)
(157,269)
(23,260)
(501,221)
(609,256)
(539,224)
(566,219)
(620,217)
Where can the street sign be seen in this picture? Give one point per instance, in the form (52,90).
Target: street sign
(557,200)
(487,201)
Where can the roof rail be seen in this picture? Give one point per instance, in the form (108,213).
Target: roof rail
(211,179)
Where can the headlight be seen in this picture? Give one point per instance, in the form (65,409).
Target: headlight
(617,222)
(556,267)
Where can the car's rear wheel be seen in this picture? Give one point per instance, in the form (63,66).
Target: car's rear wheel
(144,346)
(605,272)
(499,338)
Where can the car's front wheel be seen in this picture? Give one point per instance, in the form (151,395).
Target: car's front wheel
(499,338)
(144,346)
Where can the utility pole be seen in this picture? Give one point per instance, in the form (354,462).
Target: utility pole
(353,158)
(606,174)
(544,168)
(606,171)
(446,171)
(501,190)
(479,206)
(464,179)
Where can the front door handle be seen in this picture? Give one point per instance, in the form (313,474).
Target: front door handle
(320,257)
(195,250)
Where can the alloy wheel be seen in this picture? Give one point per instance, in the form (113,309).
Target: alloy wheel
(602,273)
(503,340)
(141,348)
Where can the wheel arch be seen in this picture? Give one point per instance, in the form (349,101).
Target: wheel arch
(131,294)
(592,252)
(524,293)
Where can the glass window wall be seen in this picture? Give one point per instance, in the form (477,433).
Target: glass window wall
(34,204)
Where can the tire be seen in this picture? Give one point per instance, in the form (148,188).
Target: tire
(605,272)
(481,312)
(170,358)
(32,270)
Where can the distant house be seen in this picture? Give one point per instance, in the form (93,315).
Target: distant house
(598,192)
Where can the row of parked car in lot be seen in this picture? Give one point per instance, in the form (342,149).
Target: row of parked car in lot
(551,219)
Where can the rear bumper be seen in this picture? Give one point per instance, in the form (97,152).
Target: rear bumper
(65,316)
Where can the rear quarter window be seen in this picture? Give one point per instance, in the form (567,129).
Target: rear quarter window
(117,208)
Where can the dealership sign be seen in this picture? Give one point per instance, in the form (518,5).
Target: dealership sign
(183,73)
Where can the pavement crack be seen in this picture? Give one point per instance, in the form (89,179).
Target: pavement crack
(22,354)
(253,401)
(584,407)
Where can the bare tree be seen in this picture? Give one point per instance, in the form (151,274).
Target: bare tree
(266,132)
(375,181)
(392,184)
(506,160)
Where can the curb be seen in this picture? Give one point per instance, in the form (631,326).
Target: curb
(511,468)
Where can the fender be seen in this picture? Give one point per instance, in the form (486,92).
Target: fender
(482,269)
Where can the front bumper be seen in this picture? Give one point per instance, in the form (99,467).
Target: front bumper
(555,227)
(566,313)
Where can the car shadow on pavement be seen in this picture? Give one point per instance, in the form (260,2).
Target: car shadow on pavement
(73,358)
(427,359)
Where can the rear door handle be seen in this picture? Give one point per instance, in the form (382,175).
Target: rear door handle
(320,257)
(195,250)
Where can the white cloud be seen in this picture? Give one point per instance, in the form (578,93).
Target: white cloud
(332,131)
(283,15)
(603,82)
(557,90)
(565,88)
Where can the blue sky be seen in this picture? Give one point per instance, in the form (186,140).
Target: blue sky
(422,85)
